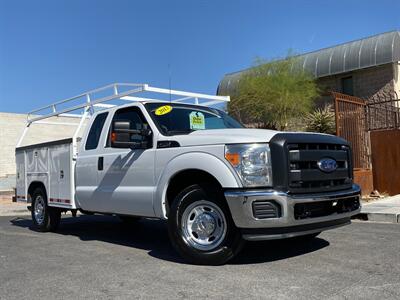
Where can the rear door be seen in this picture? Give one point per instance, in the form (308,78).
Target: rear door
(87,165)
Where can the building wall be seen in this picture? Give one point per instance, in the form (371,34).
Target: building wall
(11,128)
(396,72)
(371,83)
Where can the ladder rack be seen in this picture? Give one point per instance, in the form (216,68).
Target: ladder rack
(127,92)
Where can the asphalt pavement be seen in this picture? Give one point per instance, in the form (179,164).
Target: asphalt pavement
(97,257)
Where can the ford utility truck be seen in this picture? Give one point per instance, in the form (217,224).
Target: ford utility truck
(178,158)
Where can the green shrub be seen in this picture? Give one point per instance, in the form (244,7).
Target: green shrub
(272,93)
(321,120)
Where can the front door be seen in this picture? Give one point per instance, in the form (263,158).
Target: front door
(125,179)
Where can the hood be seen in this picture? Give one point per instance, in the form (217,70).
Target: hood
(224,136)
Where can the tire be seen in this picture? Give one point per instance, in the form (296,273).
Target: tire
(44,218)
(201,228)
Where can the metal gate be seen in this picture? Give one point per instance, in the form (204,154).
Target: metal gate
(373,130)
(385,145)
(351,124)
(384,127)
(383,114)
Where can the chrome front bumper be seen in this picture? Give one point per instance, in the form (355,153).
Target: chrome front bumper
(240,203)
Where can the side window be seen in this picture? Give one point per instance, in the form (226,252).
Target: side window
(95,131)
(135,117)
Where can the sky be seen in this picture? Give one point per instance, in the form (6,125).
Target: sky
(54,49)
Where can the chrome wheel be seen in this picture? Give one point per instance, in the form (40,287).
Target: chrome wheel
(203,225)
(39,210)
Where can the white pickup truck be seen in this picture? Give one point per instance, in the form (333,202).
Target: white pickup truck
(215,182)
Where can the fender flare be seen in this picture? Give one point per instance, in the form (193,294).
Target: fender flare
(31,188)
(206,162)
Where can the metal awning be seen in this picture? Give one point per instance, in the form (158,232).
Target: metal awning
(364,53)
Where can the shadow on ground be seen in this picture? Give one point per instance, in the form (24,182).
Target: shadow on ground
(151,235)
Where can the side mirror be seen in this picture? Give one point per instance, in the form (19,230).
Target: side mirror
(121,136)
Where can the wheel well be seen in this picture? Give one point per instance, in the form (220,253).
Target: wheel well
(186,178)
(33,186)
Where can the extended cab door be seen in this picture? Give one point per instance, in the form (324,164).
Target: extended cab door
(87,165)
(125,176)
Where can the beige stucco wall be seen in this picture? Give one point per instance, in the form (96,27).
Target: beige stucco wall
(396,72)
(371,83)
(11,128)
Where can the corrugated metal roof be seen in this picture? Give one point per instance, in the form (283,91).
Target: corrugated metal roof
(364,53)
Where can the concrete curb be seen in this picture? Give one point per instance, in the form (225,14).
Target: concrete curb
(15,213)
(383,210)
(9,210)
(6,192)
(380,217)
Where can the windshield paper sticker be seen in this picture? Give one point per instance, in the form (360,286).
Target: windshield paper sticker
(197,121)
(163,110)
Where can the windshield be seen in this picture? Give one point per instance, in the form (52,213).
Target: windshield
(172,118)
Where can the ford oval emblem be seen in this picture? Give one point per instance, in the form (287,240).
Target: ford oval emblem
(327,165)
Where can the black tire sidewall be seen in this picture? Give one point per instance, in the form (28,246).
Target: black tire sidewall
(52,215)
(36,193)
(228,248)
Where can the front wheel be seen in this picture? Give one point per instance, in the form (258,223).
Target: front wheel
(44,218)
(201,228)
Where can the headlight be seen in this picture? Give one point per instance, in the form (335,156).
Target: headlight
(252,163)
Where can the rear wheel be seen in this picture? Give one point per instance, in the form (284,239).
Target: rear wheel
(44,218)
(201,228)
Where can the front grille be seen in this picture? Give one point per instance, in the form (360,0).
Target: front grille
(325,208)
(306,176)
(266,209)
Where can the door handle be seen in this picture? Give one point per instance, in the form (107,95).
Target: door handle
(100,163)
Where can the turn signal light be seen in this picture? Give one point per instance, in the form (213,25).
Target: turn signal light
(233,158)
